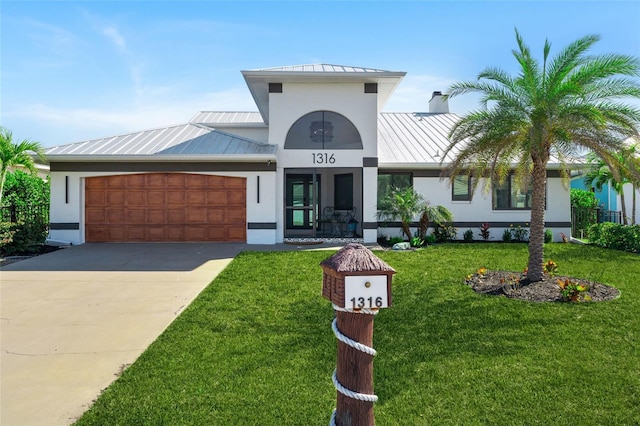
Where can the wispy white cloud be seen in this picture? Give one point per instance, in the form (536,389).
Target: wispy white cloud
(102,121)
(112,33)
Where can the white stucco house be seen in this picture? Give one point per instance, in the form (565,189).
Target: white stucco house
(317,152)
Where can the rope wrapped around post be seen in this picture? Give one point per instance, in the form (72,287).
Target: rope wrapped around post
(356,345)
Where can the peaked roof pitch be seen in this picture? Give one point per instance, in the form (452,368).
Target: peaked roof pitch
(180,140)
(258,80)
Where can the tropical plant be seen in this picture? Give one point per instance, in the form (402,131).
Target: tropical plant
(600,174)
(567,103)
(402,205)
(405,204)
(429,213)
(17,154)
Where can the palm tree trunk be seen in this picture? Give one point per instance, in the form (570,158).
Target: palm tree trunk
(633,204)
(536,236)
(407,230)
(624,206)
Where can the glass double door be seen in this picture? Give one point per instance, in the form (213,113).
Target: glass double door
(301,204)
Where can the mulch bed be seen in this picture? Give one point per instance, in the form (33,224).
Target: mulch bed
(515,285)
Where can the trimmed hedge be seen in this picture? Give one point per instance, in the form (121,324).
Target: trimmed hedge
(616,236)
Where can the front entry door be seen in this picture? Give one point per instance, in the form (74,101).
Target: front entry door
(301,204)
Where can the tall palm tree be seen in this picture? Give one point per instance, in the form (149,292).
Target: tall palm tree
(16,154)
(554,108)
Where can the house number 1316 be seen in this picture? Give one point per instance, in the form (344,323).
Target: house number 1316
(323,158)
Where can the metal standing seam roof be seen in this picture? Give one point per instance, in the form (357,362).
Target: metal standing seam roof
(322,68)
(413,138)
(236,118)
(184,139)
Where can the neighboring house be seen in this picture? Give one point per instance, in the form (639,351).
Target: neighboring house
(317,151)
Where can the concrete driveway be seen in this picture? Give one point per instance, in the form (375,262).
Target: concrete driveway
(71,320)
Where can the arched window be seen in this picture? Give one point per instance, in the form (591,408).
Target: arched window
(323,130)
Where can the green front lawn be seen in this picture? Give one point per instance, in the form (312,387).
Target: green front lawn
(256,347)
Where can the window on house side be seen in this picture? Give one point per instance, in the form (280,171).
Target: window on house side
(461,188)
(387,182)
(509,196)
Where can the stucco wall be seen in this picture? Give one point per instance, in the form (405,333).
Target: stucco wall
(479,210)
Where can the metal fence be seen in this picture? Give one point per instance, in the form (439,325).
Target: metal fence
(14,213)
(582,218)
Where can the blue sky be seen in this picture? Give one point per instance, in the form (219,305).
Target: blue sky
(72,71)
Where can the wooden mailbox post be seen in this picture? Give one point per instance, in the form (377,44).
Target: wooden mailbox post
(359,284)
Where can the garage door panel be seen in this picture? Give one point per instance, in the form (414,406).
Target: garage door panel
(132,181)
(236,233)
(196,181)
(95,215)
(235,215)
(216,216)
(236,199)
(156,233)
(156,217)
(116,182)
(115,198)
(96,233)
(135,233)
(217,198)
(136,198)
(115,233)
(196,215)
(176,180)
(97,199)
(235,183)
(195,198)
(135,216)
(165,207)
(176,216)
(156,198)
(155,180)
(175,198)
(114,216)
(95,183)
(196,233)
(175,233)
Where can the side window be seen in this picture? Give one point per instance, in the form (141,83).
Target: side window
(508,195)
(461,188)
(387,182)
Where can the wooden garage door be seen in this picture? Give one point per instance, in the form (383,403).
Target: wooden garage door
(165,207)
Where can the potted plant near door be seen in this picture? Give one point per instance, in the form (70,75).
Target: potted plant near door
(352,226)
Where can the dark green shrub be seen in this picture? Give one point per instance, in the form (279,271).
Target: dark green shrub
(616,236)
(394,240)
(22,237)
(468,235)
(23,189)
(444,233)
(506,235)
(548,235)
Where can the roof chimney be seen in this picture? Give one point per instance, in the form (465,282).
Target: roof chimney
(438,104)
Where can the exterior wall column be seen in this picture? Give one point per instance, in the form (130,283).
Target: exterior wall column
(370,200)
